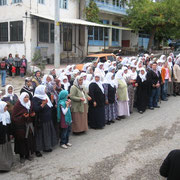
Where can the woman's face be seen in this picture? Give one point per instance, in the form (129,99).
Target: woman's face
(125,71)
(48,79)
(142,72)
(113,71)
(91,71)
(59,84)
(80,82)
(10,90)
(29,83)
(38,74)
(101,66)
(26,99)
(133,69)
(64,80)
(5,108)
(97,78)
(84,77)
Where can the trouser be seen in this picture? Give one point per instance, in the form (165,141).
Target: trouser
(3,77)
(153,100)
(165,89)
(65,132)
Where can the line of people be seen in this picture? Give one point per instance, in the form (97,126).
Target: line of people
(66,100)
(13,67)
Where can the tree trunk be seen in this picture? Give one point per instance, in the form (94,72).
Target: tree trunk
(152,34)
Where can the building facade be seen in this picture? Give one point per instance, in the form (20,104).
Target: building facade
(26,25)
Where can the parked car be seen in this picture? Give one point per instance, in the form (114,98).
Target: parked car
(177,51)
(96,58)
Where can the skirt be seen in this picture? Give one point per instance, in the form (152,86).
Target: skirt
(123,108)
(46,137)
(110,112)
(6,156)
(79,120)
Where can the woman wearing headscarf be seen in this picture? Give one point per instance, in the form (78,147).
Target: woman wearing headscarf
(142,92)
(65,82)
(10,98)
(176,72)
(23,118)
(10,63)
(110,95)
(59,86)
(79,100)
(96,114)
(122,95)
(28,88)
(45,132)
(6,155)
(73,77)
(100,70)
(170,83)
(36,81)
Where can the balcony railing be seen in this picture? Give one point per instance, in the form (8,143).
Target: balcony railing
(108,7)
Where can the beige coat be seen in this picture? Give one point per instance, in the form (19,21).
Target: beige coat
(176,71)
(75,96)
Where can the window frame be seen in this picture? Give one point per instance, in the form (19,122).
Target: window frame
(13,34)
(16,1)
(45,38)
(1,32)
(3,2)
(63,4)
(41,1)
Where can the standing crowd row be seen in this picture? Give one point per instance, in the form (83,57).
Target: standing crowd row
(66,100)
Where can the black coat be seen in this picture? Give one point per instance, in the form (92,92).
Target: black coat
(171,165)
(153,78)
(5,131)
(97,95)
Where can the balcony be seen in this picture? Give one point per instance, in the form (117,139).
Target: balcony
(110,8)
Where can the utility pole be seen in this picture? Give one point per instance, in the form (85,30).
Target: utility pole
(56,35)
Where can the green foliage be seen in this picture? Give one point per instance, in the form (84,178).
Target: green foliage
(160,19)
(38,60)
(92,12)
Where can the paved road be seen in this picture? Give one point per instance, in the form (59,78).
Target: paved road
(132,149)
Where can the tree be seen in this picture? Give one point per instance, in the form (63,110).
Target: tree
(156,18)
(92,12)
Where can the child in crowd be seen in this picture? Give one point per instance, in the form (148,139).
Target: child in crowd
(22,71)
(64,117)
(13,71)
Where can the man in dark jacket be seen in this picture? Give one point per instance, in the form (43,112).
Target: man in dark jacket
(3,68)
(170,166)
(154,78)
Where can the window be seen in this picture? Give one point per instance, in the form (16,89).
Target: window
(41,1)
(16,31)
(67,37)
(4,32)
(17,1)
(63,4)
(115,35)
(43,32)
(98,36)
(3,2)
(52,33)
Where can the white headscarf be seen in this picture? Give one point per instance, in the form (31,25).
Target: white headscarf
(21,99)
(41,94)
(7,94)
(4,116)
(100,71)
(142,76)
(67,84)
(99,83)
(119,76)
(106,65)
(170,63)
(44,80)
(108,79)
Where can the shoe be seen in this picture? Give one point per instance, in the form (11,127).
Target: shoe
(118,118)
(151,108)
(112,121)
(49,150)
(38,154)
(22,160)
(141,112)
(108,123)
(157,107)
(29,158)
(69,144)
(64,146)
(164,99)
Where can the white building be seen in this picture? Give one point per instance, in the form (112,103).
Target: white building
(28,24)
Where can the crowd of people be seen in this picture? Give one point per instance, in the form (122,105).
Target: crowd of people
(66,100)
(13,67)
